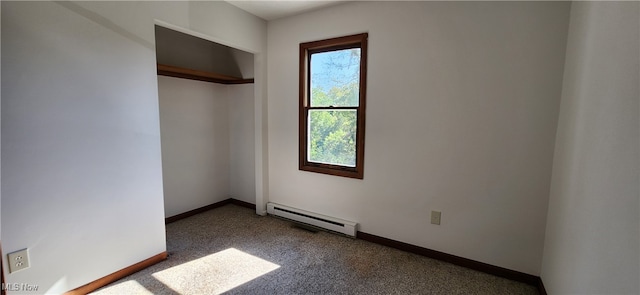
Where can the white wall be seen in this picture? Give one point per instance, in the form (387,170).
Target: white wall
(461,117)
(81,157)
(241,134)
(592,243)
(194,123)
(207,143)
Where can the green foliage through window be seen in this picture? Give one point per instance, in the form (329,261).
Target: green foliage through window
(332,137)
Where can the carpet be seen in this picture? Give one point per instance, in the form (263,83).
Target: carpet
(231,250)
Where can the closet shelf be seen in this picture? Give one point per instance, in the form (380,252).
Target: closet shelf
(171,71)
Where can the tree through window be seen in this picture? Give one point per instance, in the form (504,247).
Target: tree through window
(332,105)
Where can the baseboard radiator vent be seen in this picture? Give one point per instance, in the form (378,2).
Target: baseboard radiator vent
(337,225)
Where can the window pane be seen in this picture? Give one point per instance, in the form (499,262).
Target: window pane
(335,78)
(332,137)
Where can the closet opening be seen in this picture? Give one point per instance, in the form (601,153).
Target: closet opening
(207,130)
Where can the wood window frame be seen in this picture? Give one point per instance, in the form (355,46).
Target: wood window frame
(306,50)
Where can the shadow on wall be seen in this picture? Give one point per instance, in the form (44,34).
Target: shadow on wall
(186,51)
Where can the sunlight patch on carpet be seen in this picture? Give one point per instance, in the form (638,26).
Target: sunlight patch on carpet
(215,273)
(131,287)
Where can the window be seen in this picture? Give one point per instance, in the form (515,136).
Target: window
(333,75)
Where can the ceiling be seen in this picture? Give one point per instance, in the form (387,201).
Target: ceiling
(274,9)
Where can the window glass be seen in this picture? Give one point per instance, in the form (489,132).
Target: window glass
(335,78)
(332,137)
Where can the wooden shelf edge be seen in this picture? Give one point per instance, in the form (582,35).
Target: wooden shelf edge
(177,72)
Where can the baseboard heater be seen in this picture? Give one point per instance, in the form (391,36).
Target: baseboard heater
(325,222)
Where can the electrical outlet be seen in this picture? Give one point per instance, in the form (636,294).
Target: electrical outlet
(18,260)
(435,217)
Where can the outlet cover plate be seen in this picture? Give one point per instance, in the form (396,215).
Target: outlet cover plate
(18,260)
(435,217)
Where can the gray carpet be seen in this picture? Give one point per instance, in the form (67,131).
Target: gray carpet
(231,250)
